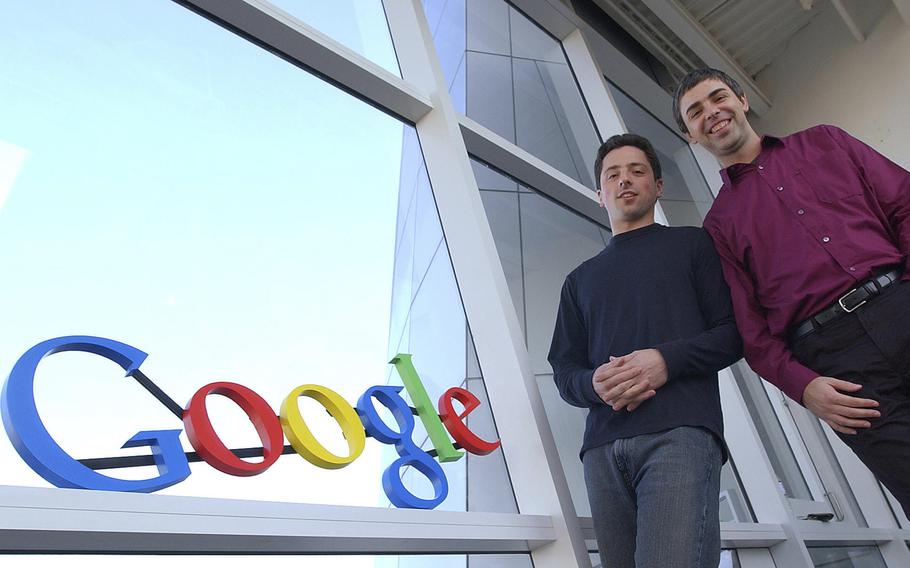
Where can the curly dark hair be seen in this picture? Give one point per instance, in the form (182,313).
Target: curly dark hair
(692,79)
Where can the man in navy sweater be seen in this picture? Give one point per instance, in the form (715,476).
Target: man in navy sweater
(642,329)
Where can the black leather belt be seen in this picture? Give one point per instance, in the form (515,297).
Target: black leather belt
(846,303)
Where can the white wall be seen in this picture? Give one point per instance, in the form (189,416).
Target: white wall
(826,76)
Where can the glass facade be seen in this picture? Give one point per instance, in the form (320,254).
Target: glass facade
(509,75)
(180,184)
(846,557)
(358,24)
(428,321)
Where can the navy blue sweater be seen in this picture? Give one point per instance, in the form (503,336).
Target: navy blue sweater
(655,287)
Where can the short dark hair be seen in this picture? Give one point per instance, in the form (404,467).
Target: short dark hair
(620,140)
(692,79)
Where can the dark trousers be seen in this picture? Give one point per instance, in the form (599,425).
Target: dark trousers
(871,347)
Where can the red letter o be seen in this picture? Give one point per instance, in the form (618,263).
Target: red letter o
(209,446)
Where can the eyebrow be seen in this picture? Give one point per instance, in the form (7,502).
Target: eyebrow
(640,164)
(710,95)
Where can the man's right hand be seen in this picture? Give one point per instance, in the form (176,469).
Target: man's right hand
(825,397)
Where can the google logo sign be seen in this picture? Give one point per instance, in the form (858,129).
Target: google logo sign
(42,453)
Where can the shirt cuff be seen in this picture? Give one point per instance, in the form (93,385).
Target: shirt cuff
(797,378)
(589,392)
(673,355)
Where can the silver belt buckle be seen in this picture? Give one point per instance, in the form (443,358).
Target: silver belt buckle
(840,302)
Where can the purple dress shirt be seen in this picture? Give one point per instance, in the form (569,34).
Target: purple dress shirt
(814,215)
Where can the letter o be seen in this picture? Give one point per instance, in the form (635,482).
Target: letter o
(302,439)
(209,446)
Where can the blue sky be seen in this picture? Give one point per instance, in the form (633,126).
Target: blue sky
(166,184)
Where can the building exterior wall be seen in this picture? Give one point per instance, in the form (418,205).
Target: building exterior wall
(827,77)
(499,119)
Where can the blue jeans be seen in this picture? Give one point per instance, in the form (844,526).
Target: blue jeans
(654,499)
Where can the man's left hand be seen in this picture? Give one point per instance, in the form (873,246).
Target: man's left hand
(631,393)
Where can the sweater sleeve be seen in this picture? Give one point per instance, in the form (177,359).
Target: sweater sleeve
(569,353)
(719,345)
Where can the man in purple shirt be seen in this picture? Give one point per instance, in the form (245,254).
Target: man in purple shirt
(813,232)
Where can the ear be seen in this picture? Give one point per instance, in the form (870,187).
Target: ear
(689,137)
(660,188)
(600,198)
(745,102)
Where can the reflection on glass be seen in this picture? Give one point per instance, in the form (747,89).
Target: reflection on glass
(734,506)
(177,188)
(428,321)
(846,557)
(686,198)
(358,24)
(291,561)
(789,475)
(512,77)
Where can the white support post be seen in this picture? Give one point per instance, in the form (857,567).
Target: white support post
(528,445)
(757,475)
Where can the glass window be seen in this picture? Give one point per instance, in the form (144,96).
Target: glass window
(428,321)
(790,479)
(687,197)
(172,186)
(512,77)
(846,557)
(358,24)
(289,561)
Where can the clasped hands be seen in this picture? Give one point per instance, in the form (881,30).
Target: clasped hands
(628,381)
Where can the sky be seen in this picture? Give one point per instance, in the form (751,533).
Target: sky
(166,184)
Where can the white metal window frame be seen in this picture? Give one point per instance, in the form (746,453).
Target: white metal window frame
(547,526)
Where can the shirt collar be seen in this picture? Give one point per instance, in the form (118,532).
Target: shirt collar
(732,172)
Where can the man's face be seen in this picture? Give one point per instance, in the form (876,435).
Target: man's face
(628,188)
(715,117)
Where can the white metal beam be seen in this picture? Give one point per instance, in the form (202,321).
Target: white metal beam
(528,446)
(531,170)
(70,520)
(306,46)
(860,16)
(678,19)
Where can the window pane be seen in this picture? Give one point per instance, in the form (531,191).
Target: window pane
(428,321)
(358,24)
(847,557)
(512,77)
(177,188)
(291,561)
(789,475)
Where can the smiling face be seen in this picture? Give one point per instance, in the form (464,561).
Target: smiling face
(716,118)
(628,189)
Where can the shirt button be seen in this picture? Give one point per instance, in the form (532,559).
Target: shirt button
(761,167)
(802,212)
(780,188)
(825,239)
(852,269)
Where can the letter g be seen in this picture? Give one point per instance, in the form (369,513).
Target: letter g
(35,445)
